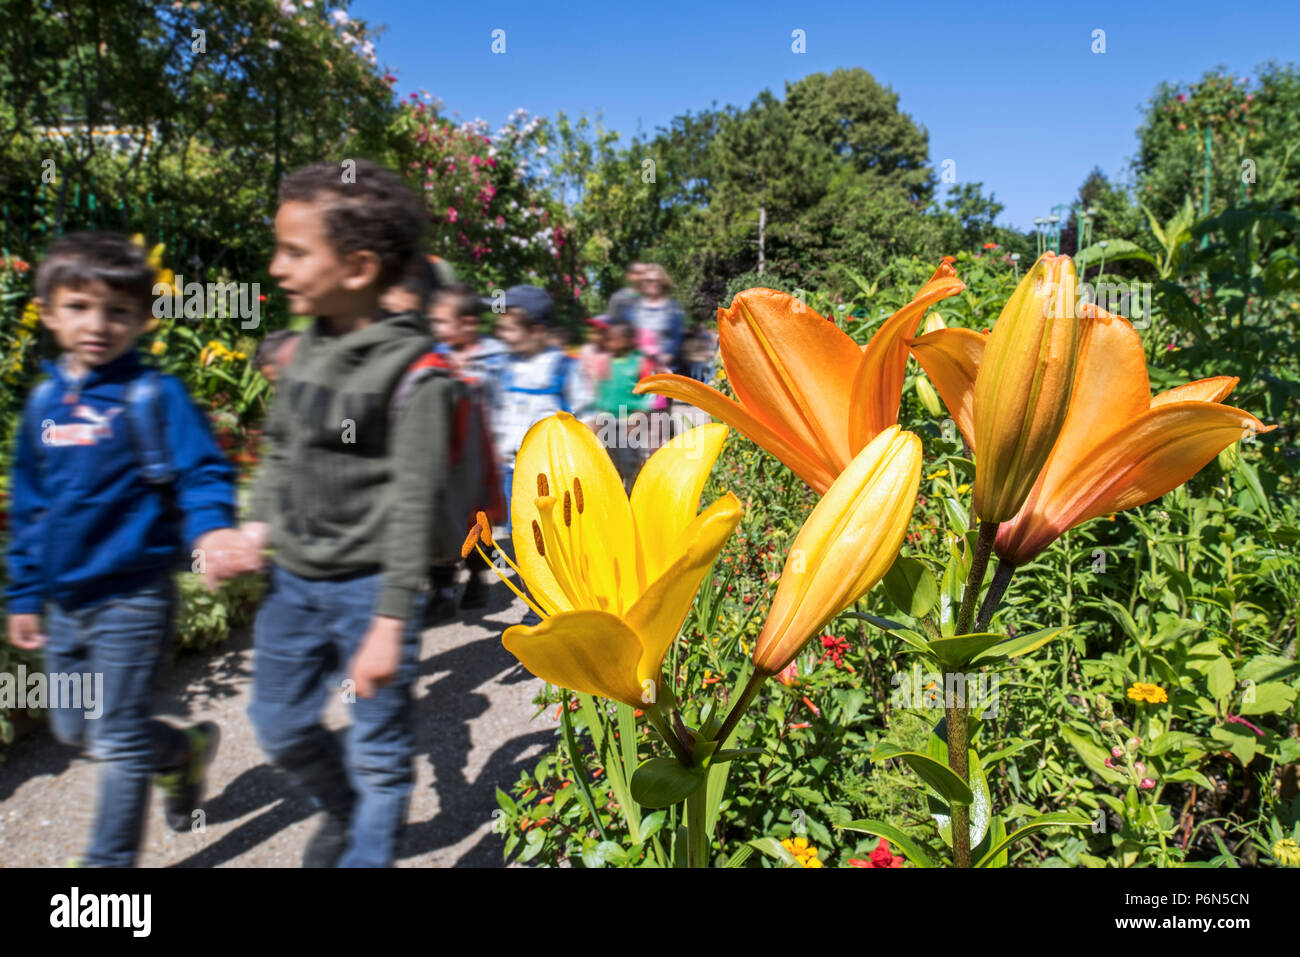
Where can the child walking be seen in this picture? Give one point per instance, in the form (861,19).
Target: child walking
(346,500)
(114,472)
(538,381)
(624,425)
(478,362)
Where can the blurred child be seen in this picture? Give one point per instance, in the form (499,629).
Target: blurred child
(624,425)
(423,279)
(538,381)
(274,353)
(479,362)
(478,358)
(346,498)
(114,471)
(593,366)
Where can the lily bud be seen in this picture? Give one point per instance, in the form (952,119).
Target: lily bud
(848,542)
(929,398)
(1230,456)
(1024,385)
(934,322)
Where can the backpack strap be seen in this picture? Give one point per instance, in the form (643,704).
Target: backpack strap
(426,365)
(45,398)
(147,428)
(556,386)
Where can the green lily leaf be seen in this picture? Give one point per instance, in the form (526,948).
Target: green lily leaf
(1015,647)
(663,782)
(979,808)
(911,587)
(1053,819)
(934,773)
(957,652)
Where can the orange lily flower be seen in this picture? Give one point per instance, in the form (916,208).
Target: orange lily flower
(807,392)
(1119,446)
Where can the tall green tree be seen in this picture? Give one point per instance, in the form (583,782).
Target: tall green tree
(861,123)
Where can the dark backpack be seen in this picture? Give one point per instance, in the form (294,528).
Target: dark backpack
(473,479)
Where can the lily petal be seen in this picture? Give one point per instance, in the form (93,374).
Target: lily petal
(563,450)
(1136,464)
(796,366)
(951,358)
(846,545)
(666,496)
(1111,391)
(878,383)
(1214,389)
(592,652)
(658,614)
(812,467)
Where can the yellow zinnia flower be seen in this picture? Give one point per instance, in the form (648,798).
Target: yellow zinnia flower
(612,577)
(1151,694)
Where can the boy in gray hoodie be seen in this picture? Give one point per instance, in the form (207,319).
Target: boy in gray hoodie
(347,500)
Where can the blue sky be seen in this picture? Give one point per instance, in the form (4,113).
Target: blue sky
(1011,92)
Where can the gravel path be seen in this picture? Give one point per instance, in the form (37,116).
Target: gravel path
(474,732)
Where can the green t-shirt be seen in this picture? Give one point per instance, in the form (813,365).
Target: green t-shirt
(615,390)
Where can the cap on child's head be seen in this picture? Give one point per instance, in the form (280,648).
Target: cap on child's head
(535,303)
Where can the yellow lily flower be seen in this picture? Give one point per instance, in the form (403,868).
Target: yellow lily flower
(612,577)
(847,544)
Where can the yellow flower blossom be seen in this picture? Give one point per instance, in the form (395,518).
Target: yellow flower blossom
(804,855)
(1151,694)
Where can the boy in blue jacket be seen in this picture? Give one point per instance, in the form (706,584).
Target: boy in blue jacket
(114,472)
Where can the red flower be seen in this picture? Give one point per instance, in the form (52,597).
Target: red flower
(880,857)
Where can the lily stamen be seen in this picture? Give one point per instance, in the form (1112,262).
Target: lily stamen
(511,585)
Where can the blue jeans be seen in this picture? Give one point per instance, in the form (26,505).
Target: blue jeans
(120,643)
(508,483)
(304,638)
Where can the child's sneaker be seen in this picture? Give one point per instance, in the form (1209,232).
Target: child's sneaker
(183,788)
(476,592)
(326,846)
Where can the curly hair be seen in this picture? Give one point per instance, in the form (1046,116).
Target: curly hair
(96,256)
(365,207)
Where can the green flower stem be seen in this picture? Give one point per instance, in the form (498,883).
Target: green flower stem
(956,716)
(739,708)
(957,745)
(674,742)
(975,580)
(997,588)
(697,838)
